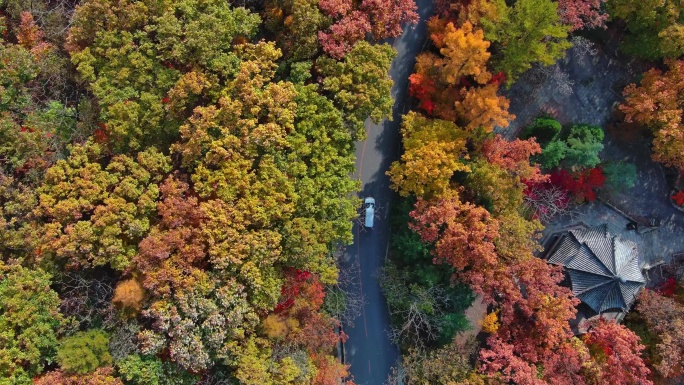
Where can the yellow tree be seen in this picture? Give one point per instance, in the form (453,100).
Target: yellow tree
(433,151)
(482,107)
(465,54)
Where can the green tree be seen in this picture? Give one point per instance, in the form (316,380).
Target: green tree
(584,144)
(29,322)
(553,154)
(528,32)
(545,130)
(321,160)
(84,352)
(359,85)
(148,370)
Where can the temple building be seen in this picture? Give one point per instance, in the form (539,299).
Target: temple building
(602,269)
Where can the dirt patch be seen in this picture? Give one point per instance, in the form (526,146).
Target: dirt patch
(474,314)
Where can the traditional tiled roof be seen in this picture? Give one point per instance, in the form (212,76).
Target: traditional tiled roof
(603,268)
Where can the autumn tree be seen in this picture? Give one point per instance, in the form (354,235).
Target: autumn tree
(475,12)
(658,103)
(582,14)
(529,32)
(352,21)
(464,53)
(29,320)
(514,156)
(463,236)
(148,48)
(102,376)
(129,294)
(433,151)
(483,107)
(663,317)
(655,27)
(616,350)
(95,214)
(360,84)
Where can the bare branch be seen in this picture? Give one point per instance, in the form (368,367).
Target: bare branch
(548,203)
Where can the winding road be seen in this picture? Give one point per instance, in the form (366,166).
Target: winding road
(368,349)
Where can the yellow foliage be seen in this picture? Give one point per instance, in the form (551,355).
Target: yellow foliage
(129,294)
(274,326)
(434,150)
(490,323)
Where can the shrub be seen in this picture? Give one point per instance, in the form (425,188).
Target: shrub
(129,294)
(84,352)
(552,154)
(148,370)
(584,145)
(678,198)
(620,175)
(544,129)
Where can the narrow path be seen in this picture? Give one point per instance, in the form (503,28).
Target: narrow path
(368,349)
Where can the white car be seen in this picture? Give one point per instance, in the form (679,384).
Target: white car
(369,205)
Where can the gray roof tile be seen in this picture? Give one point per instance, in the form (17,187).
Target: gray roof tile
(603,268)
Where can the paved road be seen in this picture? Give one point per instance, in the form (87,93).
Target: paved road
(368,349)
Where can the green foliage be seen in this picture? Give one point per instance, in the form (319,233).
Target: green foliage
(410,278)
(84,352)
(450,324)
(359,84)
(29,322)
(148,370)
(579,149)
(553,154)
(300,72)
(528,32)
(322,159)
(545,130)
(620,176)
(584,145)
(655,27)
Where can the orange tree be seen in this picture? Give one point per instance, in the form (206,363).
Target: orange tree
(658,103)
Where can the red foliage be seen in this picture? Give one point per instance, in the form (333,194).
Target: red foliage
(423,89)
(582,14)
(381,18)
(668,288)
(514,157)
(344,34)
(101,135)
(581,184)
(617,351)
(300,284)
(678,198)
(165,100)
(29,35)
(498,78)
